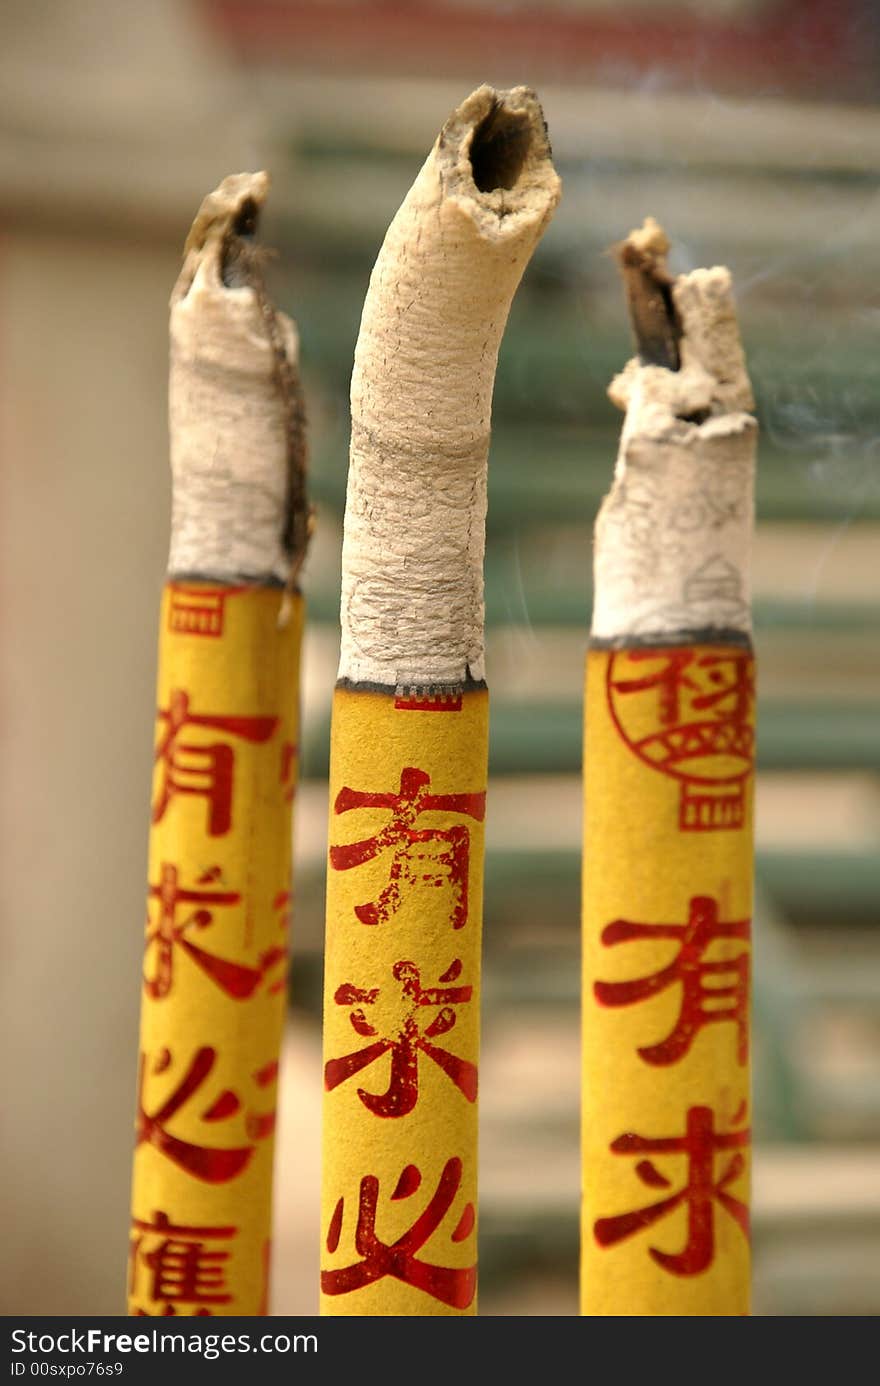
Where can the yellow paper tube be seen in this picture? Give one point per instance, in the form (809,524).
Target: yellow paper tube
(215,962)
(667,907)
(409,730)
(219,882)
(668,836)
(402,1002)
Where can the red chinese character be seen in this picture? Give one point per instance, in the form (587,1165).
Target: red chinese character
(262,1124)
(700,1144)
(702,1001)
(730,687)
(169,931)
(237,979)
(454,1286)
(206,771)
(403,1088)
(182,1268)
(669,681)
(408,867)
(213,1165)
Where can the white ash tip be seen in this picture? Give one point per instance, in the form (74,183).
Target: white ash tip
(421,395)
(710,339)
(673,536)
(224,226)
(231,413)
(649,240)
(701,373)
(494,155)
(232,203)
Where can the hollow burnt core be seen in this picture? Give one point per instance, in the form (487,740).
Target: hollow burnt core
(499,148)
(246,219)
(237,255)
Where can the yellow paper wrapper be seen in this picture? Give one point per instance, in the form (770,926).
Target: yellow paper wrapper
(667,902)
(215,959)
(401,1004)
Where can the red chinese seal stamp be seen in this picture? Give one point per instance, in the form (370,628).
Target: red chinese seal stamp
(689,713)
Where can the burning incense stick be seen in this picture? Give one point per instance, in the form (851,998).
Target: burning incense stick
(409,742)
(668,841)
(219,859)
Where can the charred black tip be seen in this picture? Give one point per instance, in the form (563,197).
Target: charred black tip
(655,323)
(247,219)
(239,251)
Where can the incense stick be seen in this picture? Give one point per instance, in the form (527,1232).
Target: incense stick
(409,736)
(226,756)
(668,840)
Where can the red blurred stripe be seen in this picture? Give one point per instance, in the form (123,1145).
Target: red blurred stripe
(784,46)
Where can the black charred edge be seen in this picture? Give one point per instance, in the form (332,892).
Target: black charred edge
(247,218)
(239,245)
(299,513)
(432,691)
(654,321)
(224,579)
(243,263)
(695,635)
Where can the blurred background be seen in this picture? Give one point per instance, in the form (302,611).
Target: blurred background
(751,130)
